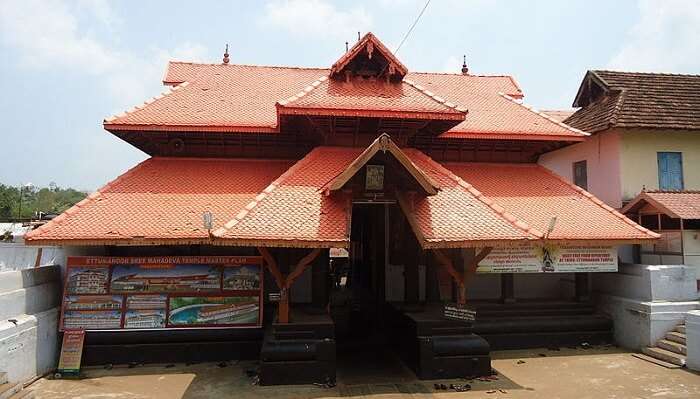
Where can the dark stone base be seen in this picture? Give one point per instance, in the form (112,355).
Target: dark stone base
(434,347)
(171,346)
(300,352)
(533,324)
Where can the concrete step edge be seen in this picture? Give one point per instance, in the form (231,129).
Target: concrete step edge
(656,361)
(8,389)
(663,354)
(676,337)
(680,329)
(24,394)
(672,346)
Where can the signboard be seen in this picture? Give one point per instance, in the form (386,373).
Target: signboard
(456,311)
(339,253)
(549,258)
(71,353)
(374,179)
(162,292)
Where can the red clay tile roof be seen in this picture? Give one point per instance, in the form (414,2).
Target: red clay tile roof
(162,200)
(479,204)
(372,98)
(242,98)
(459,214)
(637,100)
(675,204)
(492,112)
(293,211)
(534,194)
(234,98)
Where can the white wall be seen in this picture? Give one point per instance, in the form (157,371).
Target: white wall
(17,256)
(645,302)
(602,155)
(29,345)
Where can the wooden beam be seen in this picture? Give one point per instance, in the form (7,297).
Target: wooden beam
(285,282)
(301,266)
(462,280)
(446,262)
(272,266)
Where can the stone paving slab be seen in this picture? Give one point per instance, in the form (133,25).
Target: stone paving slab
(593,373)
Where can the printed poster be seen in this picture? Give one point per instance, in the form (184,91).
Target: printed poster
(189,311)
(549,258)
(110,293)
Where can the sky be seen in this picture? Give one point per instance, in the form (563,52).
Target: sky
(66,65)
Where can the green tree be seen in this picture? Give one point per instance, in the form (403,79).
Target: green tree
(49,200)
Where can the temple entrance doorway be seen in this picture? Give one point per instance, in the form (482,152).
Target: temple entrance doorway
(358,303)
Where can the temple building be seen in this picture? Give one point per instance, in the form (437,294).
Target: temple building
(387,206)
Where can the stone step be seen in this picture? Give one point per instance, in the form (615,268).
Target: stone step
(8,389)
(680,328)
(666,356)
(656,361)
(676,337)
(672,346)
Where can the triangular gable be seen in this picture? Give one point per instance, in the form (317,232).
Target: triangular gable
(678,204)
(385,144)
(368,52)
(643,199)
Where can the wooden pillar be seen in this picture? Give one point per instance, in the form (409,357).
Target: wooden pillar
(583,289)
(507,288)
(411,272)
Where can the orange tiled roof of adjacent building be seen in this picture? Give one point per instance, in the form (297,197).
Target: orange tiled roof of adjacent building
(675,204)
(637,100)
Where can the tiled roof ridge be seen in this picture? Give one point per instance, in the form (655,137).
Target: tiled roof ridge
(232,159)
(617,109)
(518,165)
(600,203)
(646,73)
(152,100)
(306,90)
(250,65)
(326,69)
(543,115)
(499,210)
(221,231)
(439,99)
(658,191)
(85,201)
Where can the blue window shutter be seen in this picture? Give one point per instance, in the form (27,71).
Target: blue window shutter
(670,170)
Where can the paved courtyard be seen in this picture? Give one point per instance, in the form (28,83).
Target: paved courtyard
(595,373)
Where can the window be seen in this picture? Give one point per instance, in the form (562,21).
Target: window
(670,170)
(581,174)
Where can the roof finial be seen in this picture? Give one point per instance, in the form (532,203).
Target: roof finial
(226,55)
(465,70)
(358,35)
(346,47)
